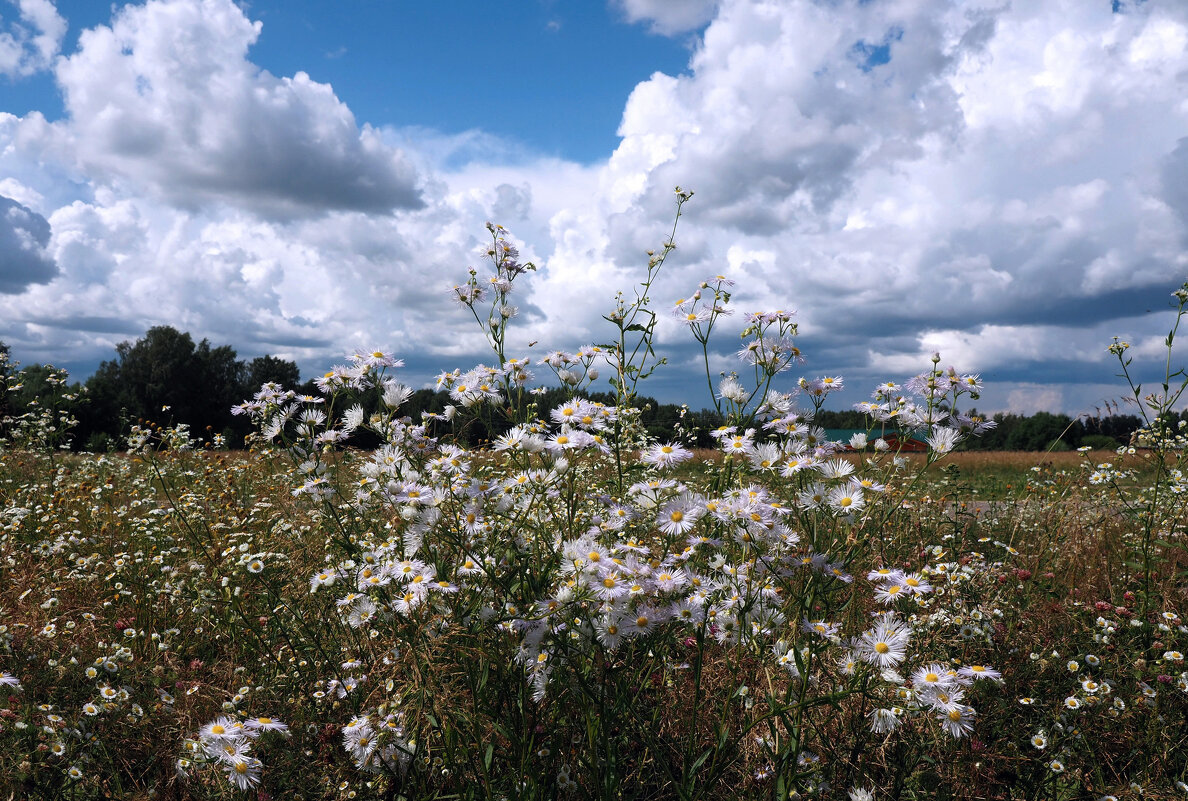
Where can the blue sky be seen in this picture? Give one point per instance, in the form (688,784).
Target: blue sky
(547,74)
(999,183)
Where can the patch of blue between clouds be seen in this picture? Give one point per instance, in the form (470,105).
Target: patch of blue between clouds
(870,55)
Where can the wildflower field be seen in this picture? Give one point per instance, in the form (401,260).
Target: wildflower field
(360,608)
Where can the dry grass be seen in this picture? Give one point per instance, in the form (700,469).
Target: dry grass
(1070,552)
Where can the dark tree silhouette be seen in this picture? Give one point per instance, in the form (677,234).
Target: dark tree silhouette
(165,378)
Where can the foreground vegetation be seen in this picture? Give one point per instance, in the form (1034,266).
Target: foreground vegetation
(580,611)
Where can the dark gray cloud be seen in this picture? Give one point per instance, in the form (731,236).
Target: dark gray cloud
(24,235)
(91,324)
(1174,179)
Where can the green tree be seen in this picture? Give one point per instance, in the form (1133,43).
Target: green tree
(1041,431)
(165,378)
(265,369)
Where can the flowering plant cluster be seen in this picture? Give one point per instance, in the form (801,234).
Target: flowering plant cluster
(524,550)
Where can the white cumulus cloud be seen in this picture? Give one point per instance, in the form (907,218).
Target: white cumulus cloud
(166,101)
(669,17)
(30,43)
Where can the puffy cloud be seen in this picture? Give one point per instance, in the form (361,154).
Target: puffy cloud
(782,110)
(24,235)
(30,44)
(922,173)
(165,100)
(668,17)
(15,190)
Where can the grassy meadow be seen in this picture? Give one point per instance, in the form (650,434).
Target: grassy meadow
(144,597)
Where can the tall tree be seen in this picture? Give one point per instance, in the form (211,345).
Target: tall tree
(264,369)
(164,377)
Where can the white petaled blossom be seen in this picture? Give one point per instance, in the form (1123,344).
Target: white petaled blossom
(679,515)
(665,455)
(957,720)
(886,644)
(353,417)
(942,440)
(731,390)
(227,743)
(883,721)
(846,499)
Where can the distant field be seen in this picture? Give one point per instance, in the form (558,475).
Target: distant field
(1002,474)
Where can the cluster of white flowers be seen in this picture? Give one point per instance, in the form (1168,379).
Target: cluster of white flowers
(661,557)
(226,742)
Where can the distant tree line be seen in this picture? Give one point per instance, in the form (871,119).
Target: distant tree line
(166,378)
(1041,431)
